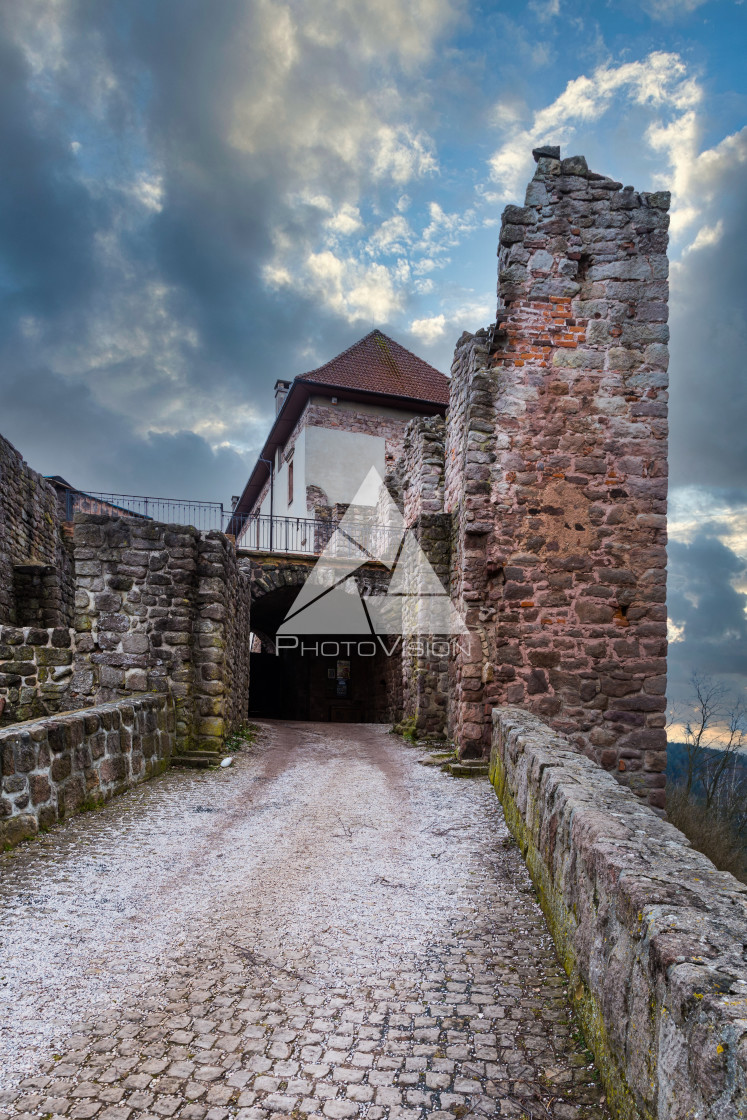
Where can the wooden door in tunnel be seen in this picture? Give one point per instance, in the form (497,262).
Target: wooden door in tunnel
(344,679)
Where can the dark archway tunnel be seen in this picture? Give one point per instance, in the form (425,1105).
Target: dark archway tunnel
(345,678)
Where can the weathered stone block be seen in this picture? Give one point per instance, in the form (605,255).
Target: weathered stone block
(578,359)
(39,788)
(15,829)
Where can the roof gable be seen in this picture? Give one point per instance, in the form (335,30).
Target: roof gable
(378,364)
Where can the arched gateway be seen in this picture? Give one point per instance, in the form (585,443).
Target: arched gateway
(339,678)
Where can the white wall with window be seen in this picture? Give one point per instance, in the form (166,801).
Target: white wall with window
(336,461)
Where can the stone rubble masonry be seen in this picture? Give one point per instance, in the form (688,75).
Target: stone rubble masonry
(36,572)
(36,667)
(221,642)
(54,767)
(471,442)
(162,608)
(556,475)
(417,484)
(650,933)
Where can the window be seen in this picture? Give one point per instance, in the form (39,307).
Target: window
(290,482)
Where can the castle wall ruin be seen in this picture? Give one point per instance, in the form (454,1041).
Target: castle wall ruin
(541,504)
(556,476)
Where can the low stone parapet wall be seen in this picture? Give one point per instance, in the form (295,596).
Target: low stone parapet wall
(652,936)
(53,767)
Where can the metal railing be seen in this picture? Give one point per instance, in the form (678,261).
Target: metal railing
(282,534)
(257,533)
(306,535)
(177,511)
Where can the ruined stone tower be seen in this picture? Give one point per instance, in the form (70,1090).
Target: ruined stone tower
(556,475)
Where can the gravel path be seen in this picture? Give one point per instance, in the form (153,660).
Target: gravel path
(324,928)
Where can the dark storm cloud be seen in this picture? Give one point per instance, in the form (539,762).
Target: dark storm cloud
(709,338)
(112,457)
(709,609)
(47,218)
(153,152)
(58,211)
(708,407)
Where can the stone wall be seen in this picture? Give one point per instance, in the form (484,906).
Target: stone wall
(417,484)
(52,768)
(160,608)
(556,474)
(36,572)
(221,642)
(36,669)
(474,438)
(649,932)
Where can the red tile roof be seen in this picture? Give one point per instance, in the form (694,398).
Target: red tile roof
(378,364)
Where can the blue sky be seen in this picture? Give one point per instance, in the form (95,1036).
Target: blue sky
(199,198)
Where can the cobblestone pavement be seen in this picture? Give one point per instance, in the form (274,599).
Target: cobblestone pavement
(325,929)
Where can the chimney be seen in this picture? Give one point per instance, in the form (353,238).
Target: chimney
(281,392)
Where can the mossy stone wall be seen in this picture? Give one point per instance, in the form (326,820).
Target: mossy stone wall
(650,933)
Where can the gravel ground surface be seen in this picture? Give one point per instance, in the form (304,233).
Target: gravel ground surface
(325,928)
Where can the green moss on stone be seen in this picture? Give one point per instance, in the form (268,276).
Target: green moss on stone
(561,922)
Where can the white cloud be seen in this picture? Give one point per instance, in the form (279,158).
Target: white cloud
(697,509)
(377,273)
(705,237)
(429,330)
(668,10)
(407,29)
(392,236)
(445,230)
(346,221)
(344,285)
(402,155)
(508,112)
(456,317)
(660,82)
(675,633)
(696,177)
(321,124)
(668,98)
(148,190)
(545,9)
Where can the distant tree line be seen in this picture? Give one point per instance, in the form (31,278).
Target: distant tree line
(707,775)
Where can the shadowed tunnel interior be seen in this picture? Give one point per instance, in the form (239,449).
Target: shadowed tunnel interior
(345,678)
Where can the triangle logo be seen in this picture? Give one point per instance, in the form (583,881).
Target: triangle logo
(373,529)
